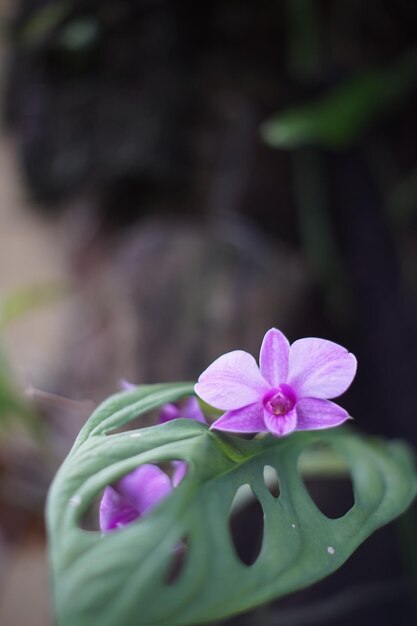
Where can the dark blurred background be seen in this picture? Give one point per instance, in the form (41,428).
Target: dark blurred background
(205,171)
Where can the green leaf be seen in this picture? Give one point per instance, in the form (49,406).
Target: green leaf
(79,34)
(18,303)
(337,118)
(42,21)
(13,409)
(120,578)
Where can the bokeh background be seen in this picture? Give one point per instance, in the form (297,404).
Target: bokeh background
(177,177)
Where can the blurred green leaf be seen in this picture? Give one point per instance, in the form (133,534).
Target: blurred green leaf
(43,20)
(22,301)
(337,118)
(13,409)
(304,40)
(402,201)
(120,578)
(317,233)
(79,34)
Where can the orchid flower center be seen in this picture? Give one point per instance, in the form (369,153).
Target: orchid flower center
(280,401)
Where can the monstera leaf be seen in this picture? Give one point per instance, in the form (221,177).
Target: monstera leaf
(122,577)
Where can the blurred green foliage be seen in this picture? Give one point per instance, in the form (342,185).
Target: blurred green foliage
(402,201)
(337,118)
(13,408)
(42,21)
(26,300)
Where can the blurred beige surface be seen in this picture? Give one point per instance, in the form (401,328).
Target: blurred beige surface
(24,590)
(27,253)
(30,255)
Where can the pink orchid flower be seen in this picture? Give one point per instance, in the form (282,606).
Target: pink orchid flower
(290,390)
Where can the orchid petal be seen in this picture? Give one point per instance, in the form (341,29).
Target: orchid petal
(191,410)
(320,368)
(232,381)
(248,419)
(180,470)
(314,413)
(280,425)
(273,358)
(144,487)
(115,510)
(168,413)
(125,385)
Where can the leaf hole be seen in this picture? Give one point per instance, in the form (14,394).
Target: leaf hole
(90,518)
(327,479)
(187,407)
(177,561)
(150,418)
(272,481)
(246,525)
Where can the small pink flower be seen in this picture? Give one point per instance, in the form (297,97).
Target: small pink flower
(289,391)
